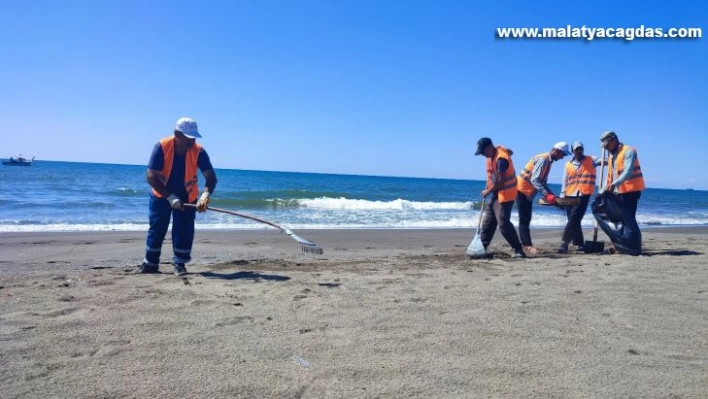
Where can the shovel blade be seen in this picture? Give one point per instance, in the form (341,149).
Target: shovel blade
(594,247)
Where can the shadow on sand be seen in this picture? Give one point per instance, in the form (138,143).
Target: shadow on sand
(244,276)
(671,252)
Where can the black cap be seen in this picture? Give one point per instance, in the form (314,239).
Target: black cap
(482,144)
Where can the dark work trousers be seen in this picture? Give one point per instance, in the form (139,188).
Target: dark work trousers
(573,229)
(498,214)
(525,208)
(160,213)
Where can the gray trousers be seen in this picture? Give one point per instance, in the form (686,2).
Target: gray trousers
(498,214)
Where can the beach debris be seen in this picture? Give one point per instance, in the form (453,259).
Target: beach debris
(329,285)
(302,362)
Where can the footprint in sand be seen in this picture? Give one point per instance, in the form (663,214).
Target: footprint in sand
(62,312)
(234,321)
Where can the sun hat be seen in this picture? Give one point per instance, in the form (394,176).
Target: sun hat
(188,127)
(562,146)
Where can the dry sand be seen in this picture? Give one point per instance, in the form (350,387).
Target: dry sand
(382,314)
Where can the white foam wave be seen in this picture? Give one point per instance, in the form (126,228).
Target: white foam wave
(363,205)
(324,218)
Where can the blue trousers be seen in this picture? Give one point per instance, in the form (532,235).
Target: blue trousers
(160,213)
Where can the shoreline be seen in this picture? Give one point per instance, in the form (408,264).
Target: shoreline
(29,252)
(643,227)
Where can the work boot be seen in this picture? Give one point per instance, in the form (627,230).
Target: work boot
(144,268)
(180,269)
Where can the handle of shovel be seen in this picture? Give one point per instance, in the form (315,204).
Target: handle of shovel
(599,186)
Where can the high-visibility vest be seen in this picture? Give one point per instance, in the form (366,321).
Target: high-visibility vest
(191,182)
(636,179)
(508,191)
(582,179)
(524,179)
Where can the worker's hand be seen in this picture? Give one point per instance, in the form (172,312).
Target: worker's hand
(550,199)
(203,201)
(175,202)
(607,189)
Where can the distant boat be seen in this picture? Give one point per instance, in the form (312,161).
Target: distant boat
(19,161)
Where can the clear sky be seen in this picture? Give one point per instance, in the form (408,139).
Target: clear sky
(390,88)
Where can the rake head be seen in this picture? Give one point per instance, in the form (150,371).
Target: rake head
(307,246)
(312,249)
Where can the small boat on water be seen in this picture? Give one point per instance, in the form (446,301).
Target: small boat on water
(18,161)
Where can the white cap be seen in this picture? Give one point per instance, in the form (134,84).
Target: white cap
(188,127)
(577,144)
(563,146)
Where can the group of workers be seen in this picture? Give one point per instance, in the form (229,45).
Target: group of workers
(175,161)
(614,209)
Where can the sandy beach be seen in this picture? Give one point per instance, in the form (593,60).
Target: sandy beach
(381,314)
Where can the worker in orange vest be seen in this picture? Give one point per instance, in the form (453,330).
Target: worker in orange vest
(501,189)
(579,177)
(532,180)
(172,175)
(623,188)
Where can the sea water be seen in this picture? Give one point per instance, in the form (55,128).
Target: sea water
(73,196)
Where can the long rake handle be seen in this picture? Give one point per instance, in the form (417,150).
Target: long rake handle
(307,246)
(243,215)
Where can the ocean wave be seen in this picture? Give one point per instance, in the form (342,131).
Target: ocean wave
(397,204)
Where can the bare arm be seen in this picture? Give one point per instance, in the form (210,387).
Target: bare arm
(153,179)
(210,177)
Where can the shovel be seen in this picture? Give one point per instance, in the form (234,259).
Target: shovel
(476,248)
(594,247)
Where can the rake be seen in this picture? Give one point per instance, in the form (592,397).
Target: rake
(307,246)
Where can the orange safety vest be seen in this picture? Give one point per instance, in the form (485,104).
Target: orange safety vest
(508,191)
(583,179)
(636,179)
(190,170)
(524,179)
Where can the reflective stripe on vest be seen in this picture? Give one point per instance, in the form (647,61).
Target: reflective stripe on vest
(190,167)
(582,179)
(508,191)
(524,180)
(636,179)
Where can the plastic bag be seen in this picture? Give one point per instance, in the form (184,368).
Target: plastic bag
(617,220)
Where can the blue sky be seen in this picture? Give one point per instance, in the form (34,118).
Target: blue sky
(392,88)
